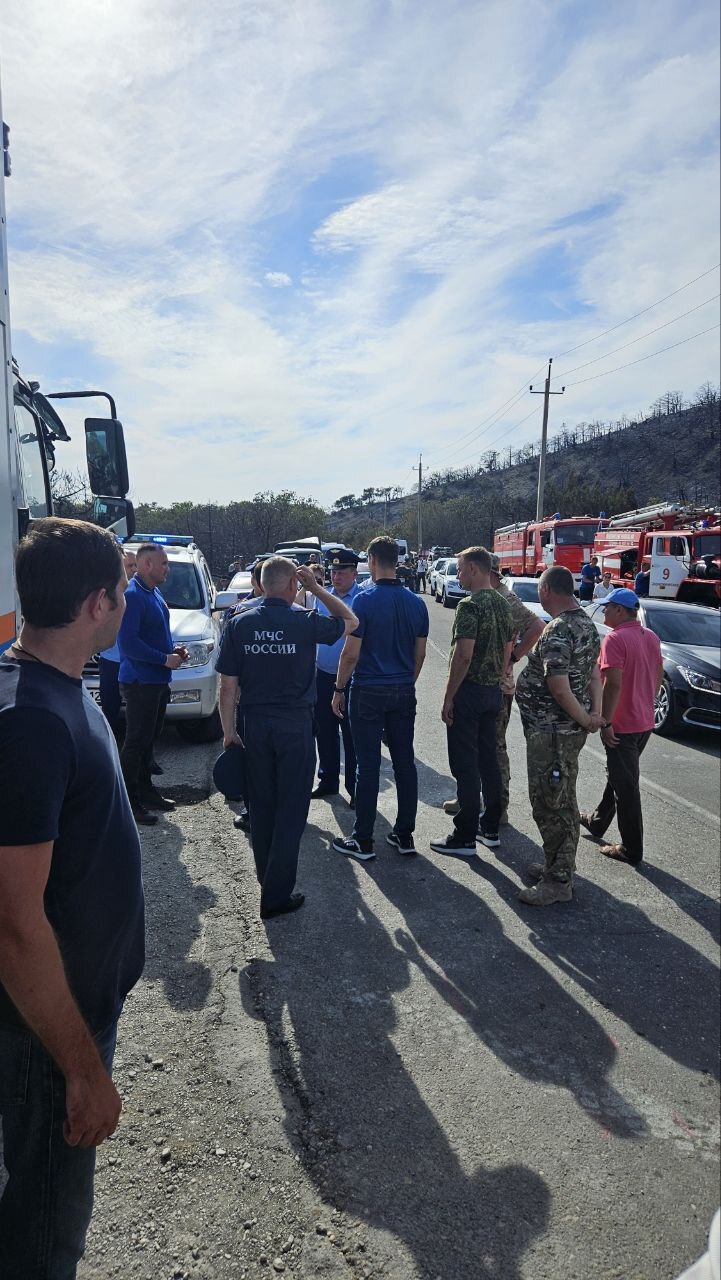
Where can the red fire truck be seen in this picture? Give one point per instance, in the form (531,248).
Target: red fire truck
(528,548)
(680,545)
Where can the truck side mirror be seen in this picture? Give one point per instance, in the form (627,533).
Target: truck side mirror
(107,461)
(116,514)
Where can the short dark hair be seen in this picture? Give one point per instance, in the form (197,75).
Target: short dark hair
(384,550)
(477,555)
(558,579)
(59,563)
(148,549)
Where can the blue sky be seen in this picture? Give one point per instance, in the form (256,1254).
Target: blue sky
(302,243)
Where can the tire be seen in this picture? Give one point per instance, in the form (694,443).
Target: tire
(447,604)
(664,712)
(209,729)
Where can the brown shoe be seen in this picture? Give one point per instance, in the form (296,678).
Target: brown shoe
(546,892)
(536,870)
(585,821)
(451,807)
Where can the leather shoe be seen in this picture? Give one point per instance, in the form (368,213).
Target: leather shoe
(295,901)
(143,818)
(322,790)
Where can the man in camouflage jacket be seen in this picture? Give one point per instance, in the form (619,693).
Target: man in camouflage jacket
(559,698)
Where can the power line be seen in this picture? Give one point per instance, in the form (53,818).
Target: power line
(639,313)
(648,334)
(640,360)
(481,426)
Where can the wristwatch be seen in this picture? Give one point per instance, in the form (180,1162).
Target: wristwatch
(337,690)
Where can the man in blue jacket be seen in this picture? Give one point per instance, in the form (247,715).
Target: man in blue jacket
(147,657)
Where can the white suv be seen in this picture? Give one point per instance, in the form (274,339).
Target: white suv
(189,593)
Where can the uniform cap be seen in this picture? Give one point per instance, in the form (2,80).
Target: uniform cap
(229,773)
(342,558)
(624,596)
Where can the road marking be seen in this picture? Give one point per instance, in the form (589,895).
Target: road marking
(662,792)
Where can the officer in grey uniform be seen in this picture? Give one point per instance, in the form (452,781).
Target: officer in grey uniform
(269,655)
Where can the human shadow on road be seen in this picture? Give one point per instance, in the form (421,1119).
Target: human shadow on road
(664,989)
(514,1005)
(174,905)
(369,1140)
(699,906)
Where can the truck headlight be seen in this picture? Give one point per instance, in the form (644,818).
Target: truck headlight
(699,681)
(199,652)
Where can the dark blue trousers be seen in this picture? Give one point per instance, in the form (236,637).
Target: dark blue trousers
(280,763)
(109,689)
(47,1201)
(328,731)
(371,710)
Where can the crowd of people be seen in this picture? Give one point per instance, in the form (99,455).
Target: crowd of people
(304,668)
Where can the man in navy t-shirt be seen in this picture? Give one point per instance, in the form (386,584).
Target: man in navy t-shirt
(384,657)
(71,926)
(267,655)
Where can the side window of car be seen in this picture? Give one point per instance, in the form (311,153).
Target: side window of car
(678,546)
(208,582)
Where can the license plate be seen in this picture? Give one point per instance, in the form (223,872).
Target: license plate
(95,694)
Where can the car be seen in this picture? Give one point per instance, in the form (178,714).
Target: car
(432,573)
(239,586)
(527,591)
(690,636)
(190,595)
(439,553)
(448,590)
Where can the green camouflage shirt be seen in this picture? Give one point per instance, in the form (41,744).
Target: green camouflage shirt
(569,646)
(487,619)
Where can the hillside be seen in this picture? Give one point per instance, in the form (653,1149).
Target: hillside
(673,454)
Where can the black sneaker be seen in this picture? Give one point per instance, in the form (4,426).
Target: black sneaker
(489,838)
(454,845)
(152,799)
(403,843)
(360,849)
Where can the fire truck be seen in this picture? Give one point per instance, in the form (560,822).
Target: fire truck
(30,428)
(680,545)
(526,549)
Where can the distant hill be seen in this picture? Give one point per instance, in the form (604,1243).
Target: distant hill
(673,454)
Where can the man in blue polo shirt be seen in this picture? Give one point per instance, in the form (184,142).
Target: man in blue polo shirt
(147,658)
(328,728)
(268,656)
(384,657)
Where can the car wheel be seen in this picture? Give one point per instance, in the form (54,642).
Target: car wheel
(664,715)
(209,729)
(447,604)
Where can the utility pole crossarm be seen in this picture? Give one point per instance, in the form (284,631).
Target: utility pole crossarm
(546,393)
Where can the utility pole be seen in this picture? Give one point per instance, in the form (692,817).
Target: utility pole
(546,393)
(420,488)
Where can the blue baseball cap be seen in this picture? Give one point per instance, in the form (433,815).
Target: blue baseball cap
(624,596)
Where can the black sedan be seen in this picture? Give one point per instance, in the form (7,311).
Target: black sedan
(690,636)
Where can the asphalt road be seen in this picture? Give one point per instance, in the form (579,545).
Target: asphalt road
(415,1076)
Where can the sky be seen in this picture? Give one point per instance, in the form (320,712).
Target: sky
(303,243)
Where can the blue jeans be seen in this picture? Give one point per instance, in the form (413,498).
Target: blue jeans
(46,1187)
(373,708)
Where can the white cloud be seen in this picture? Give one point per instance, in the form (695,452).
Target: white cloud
(278,279)
(159,161)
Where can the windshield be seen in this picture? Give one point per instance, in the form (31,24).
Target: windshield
(451,568)
(526,591)
(575,535)
(182,588)
(708,544)
(685,626)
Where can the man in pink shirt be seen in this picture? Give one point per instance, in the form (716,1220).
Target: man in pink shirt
(632,671)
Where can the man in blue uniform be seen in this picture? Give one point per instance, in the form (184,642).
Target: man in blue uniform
(384,657)
(268,654)
(328,728)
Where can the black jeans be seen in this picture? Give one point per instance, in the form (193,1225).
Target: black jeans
(144,714)
(280,764)
(373,709)
(622,796)
(473,757)
(421,582)
(328,732)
